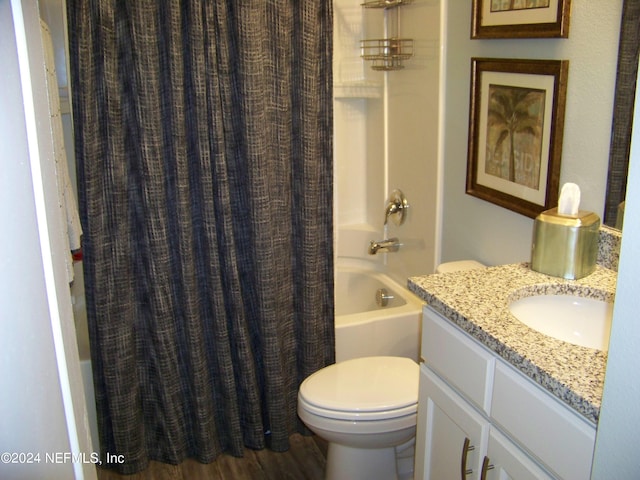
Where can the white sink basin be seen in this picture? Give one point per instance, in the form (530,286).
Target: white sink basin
(578,320)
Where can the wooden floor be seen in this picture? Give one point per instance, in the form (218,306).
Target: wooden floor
(305,460)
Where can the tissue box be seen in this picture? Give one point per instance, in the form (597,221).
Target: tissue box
(565,245)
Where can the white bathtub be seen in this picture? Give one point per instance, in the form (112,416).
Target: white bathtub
(365,329)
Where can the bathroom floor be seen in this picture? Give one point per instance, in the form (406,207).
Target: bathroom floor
(305,460)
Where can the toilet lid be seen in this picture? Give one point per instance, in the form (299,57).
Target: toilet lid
(368,384)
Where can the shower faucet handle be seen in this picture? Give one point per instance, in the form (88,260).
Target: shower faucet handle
(384,246)
(396,208)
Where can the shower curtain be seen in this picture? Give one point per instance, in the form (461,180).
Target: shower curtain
(203,134)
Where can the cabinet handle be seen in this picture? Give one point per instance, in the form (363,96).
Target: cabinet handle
(466,448)
(485,468)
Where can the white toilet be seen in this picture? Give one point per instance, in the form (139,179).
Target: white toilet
(366,409)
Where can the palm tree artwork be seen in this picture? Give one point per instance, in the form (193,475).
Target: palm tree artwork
(514,134)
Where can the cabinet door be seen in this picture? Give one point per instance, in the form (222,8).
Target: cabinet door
(452,435)
(506,461)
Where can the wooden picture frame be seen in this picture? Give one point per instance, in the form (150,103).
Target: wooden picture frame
(516,125)
(520,18)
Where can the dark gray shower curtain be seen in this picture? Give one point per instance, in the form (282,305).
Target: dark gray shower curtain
(203,137)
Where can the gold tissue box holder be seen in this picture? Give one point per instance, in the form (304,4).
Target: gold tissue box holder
(565,245)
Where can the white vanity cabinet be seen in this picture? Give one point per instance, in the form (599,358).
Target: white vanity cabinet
(478,418)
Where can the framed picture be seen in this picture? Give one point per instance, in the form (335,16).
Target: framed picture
(516,122)
(520,18)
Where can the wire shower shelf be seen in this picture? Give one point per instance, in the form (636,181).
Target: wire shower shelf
(386,53)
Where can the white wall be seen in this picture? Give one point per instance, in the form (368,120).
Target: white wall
(41,398)
(28,376)
(616,454)
(477,229)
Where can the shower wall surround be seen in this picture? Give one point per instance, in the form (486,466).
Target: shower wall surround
(386,134)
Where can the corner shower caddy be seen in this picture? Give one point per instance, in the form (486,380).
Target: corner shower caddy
(390,52)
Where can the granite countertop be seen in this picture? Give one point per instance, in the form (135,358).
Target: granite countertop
(477,301)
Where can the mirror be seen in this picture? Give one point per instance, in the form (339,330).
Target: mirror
(622,113)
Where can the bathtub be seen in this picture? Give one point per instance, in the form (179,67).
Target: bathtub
(365,329)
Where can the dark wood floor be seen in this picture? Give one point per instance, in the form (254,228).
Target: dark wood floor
(305,460)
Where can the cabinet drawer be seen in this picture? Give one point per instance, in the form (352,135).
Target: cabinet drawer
(462,362)
(544,426)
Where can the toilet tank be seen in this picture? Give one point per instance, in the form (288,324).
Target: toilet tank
(458,266)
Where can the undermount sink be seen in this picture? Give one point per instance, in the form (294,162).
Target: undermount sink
(577,320)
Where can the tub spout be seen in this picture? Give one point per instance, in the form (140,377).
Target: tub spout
(383,246)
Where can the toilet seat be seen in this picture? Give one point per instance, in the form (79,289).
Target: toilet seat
(359,416)
(363,389)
